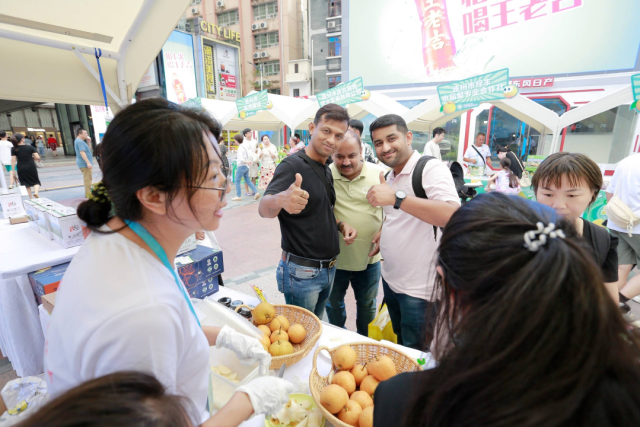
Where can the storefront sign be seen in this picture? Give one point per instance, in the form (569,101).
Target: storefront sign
(635,88)
(149,78)
(209,75)
(251,104)
(346,93)
(226,69)
(179,71)
(35,130)
(470,93)
(210,28)
(541,82)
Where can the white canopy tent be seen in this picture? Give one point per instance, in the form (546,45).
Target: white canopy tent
(50,56)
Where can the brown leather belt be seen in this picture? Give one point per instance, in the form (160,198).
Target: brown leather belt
(306,262)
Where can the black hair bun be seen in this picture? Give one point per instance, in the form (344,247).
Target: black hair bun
(94,213)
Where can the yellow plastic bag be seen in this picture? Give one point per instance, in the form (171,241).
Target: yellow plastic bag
(381,329)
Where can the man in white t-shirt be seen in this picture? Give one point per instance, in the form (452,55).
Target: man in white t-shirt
(432,148)
(479,154)
(254,170)
(625,184)
(409,236)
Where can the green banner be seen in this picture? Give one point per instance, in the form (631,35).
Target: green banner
(251,104)
(471,92)
(635,88)
(346,93)
(193,103)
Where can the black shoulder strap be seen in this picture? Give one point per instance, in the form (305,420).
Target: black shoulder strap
(600,240)
(319,170)
(479,154)
(416,183)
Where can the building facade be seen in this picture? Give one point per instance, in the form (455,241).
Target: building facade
(326,43)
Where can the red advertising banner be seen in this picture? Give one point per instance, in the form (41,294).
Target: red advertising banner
(539,82)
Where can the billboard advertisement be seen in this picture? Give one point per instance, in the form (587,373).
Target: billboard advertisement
(424,41)
(179,67)
(221,70)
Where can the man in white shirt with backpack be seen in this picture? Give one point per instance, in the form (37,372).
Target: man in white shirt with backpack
(623,210)
(417,196)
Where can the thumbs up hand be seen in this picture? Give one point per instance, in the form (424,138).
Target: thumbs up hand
(382,194)
(295,199)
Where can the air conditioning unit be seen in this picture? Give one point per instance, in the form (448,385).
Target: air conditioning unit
(264,54)
(187,27)
(266,82)
(195,11)
(257,82)
(264,26)
(256,55)
(255,27)
(220,4)
(331,24)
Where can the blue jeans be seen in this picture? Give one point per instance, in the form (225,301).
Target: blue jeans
(243,172)
(306,287)
(365,288)
(411,317)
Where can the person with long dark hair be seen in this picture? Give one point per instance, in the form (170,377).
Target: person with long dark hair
(223,155)
(528,334)
(23,158)
(123,399)
(506,180)
(121,305)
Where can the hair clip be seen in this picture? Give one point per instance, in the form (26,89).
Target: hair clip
(534,239)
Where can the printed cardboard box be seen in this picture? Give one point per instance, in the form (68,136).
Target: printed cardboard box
(65,226)
(43,219)
(47,280)
(196,267)
(32,214)
(11,205)
(188,245)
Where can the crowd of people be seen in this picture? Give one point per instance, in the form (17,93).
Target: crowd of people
(515,299)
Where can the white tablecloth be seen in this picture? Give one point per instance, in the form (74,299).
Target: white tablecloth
(331,337)
(23,251)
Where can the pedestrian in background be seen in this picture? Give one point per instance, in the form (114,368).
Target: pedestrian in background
(23,159)
(53,144)
(516,165)
(223,155)
(356,265)
(40,145)
(410,234)
(254,169)
(244,162)
(5,159)
(29,140)
(267,155)
(432,147)
(84,159)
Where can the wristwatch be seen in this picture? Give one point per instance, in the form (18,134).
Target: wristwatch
(400,196)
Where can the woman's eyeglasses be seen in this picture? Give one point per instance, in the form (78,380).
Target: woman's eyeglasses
(223,190)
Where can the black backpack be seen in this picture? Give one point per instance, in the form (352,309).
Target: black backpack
(601,242)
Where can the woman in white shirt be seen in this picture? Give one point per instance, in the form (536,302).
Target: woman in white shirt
(268,154)
(121,305)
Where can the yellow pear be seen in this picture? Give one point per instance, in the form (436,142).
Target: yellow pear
(350,413)
(362,398)
(265,329)
(281,348)
(359,372)
(297,333)
(382,367)
(333,398)
(344,358)
(278,322)
(263,313)
(265,341)
(279,335)
(366,418)
(369,384)
(345,380)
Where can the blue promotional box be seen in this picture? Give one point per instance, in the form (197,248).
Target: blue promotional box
(46,280)
(198,270)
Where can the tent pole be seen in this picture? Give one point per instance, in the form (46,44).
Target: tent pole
(94,73)
(74,47)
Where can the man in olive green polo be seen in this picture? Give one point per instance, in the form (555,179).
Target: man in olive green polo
(352,179)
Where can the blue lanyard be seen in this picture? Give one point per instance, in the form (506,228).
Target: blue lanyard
(159,251)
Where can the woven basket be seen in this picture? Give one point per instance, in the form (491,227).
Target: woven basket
(305,318)
(365,351)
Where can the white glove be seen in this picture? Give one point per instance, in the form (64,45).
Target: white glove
(249,350)
(268,394)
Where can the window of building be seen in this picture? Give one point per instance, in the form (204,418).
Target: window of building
(271,68)
(295,66)
(274,91)
(334,81)
(296,92)
(335,46)
(265,40)
(190,25)
(335,8)
(265,11)
(228,18)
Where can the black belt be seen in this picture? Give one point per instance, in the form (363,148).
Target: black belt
(305,262)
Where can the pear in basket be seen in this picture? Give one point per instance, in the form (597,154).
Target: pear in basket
(263,313)
(279,322)
(279,335)
(369,385)
(382,367)
(363,399)
(359,372)
(297,333)
(333,398)
(265,329)
(345,380)
(344,358)
(350,413)
(281,348)
(265,341)
(366,418)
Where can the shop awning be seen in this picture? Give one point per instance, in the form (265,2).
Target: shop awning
(48,48)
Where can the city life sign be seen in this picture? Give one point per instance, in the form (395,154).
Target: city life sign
(210,28)
(346,93)
(470,93)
